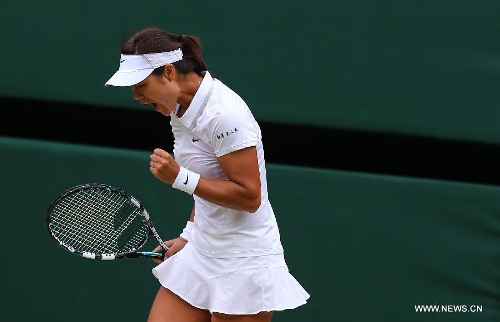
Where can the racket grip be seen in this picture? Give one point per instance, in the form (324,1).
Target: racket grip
(145,254)
(154,254)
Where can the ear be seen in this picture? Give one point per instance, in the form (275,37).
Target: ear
(169,72)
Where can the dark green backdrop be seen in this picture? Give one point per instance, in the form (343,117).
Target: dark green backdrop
(367,248)
(416,67)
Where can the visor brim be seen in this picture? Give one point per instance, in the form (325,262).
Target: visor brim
(128,78)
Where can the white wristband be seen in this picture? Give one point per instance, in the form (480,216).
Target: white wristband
(186,180)
(186,232)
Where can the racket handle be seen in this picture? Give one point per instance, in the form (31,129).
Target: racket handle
(145,254)
(153,254)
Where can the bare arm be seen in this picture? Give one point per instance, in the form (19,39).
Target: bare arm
(240,192)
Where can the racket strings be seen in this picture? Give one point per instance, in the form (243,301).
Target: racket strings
(98,221)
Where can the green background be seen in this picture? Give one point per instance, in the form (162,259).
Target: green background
(366,247)
(421,67)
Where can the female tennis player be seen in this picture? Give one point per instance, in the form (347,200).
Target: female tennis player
(228,263)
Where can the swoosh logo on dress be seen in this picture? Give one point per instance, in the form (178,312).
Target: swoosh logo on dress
(195,140)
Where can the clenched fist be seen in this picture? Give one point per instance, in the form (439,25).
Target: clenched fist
(163,166)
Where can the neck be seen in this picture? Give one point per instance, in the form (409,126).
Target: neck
(188,88)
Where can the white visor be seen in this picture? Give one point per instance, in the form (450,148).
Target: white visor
(135,68)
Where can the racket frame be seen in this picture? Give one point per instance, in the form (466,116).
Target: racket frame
(107,257)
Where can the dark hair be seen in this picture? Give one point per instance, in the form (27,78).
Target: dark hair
(155,40)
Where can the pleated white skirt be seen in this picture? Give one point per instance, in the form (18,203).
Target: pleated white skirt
(247,285)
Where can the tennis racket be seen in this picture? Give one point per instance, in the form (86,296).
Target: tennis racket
(100,222)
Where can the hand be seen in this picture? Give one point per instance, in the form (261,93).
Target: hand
(163,166)
(174,245)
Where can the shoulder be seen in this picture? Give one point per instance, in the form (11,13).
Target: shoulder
(226,103)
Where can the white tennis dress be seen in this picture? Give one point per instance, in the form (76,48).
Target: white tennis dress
(234,261)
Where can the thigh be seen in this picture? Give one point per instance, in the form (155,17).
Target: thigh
(168,307)
(259,317)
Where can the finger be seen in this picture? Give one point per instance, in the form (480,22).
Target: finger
(157,260)
(161,153)
(155,158)
(170,252)
(159,249)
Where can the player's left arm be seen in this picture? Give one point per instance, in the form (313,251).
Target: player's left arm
(242,190)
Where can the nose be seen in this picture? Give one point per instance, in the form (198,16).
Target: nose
(136,94)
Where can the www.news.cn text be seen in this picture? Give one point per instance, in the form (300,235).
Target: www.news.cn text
(449,308)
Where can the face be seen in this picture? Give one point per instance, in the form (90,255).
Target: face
(158,91)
